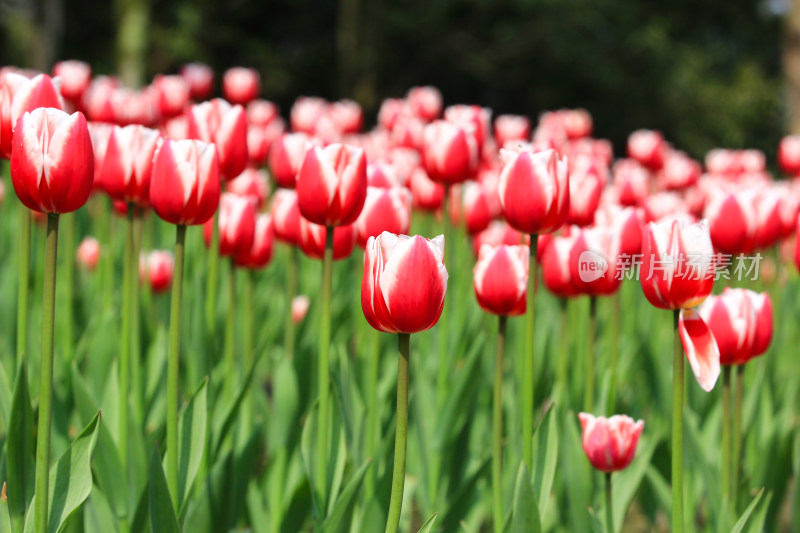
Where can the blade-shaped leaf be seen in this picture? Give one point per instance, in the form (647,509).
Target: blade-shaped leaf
(70,480)
(339,519)
(20,461)
(427,527)
(191,439)
(627,482)
(162,513)
(525,514)
(223,424)
(546,438)
(739,526)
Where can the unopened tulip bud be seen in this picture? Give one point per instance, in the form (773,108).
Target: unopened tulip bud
(300,306)
(241,85)
(501,279)
(88,253)
(610,443)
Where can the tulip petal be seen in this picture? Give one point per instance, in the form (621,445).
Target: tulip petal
(700,347)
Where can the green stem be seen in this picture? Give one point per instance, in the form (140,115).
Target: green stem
(23,287)
(609,505)
(324,371)
(737,437)
(68,230)
(292,292)
(229,350)
(401,434)
(248,343)
(677,429)
(173,364)
(212,282)
(616,318)
(591,334)
(373,428)
(136,345)
(46,375)
(497,426)
(106,256)
(563,350)
(528,369)
(125,343)
(726,433)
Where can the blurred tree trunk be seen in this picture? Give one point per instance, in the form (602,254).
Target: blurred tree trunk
(791,64)
(133,17)
(38,27)
(347,44)
(357,36)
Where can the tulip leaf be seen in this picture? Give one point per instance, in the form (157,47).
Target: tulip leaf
(20,447)
(5,518)
(427,527)
(525,513)
(98,515)
(70,480)
(577,476)
(339,519)
(544,471)
(5,398)
(742,522)
(162,513)
(224,424)
(626,483)
(191,440)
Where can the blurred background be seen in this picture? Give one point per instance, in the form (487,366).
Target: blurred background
(711,73)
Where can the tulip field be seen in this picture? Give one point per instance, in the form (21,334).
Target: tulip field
(217,317)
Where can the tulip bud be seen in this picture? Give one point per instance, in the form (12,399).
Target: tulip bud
(509,128)
(449,152)
(99,132)
(384,210)
(534,190)
(237,224)
(199,78)
(19,94)
(241,85)
(332,184)
(313,236)
(184,187)
(252,183)
(128,163)
(610,443)
(648,148)
(631,182)
(586,182)
(789,154)
(577,123)
(286,156)
(52,163)
(158,268)
(262,112)
(305,114)
(501,279)
(663,205)
(382,175)
(426,193)
(498,232)
(346,115)
(172,94)
(97,99)
(732,221)
(404,283)
(300,306)
(425,102)
(260,253)
(75,78)
(471,118)
(555,258)
(286,216)
(88,253)
(392,110)
(679,171)
(224,125)
(594,261)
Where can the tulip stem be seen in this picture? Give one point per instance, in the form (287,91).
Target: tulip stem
(173,365)
(212,282)
(677,428)
(68,230)
(106,258)
(125,344)
(322,375)
(291,287)
(136,348)
(563,354)
(737,437)
(46,375)
(373,429)
(726,433)
(497,440)
(248,343)
(229,349)
(616,317)
(591,334)
(528,369)
(401,433)
(609,505)
(23,287)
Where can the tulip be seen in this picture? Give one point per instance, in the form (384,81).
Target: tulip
(509,128)
(741,322)
(586,182)
(648,148)
(677,273)
(449,152)
(184,190)
(200,79)
(19,94)
(664,205)
(425,102)
(97,99)
(346,116)
(789,154)
(241,85)
(128,163)
(426,193)
(479,209)
(732,221)
(305,114)
(172,94)
(577,123)
(471,117)
(160,267)
(313,240)
(260,253)
(225,125)
(286,216)
(383,175)
(286,156)
(236,220)
(631,182)
(768,221)
(252,183)
(300,306)
(88,253)
(75,78)
(679,171)
(392,110)
(52,167)
(384,210)
(332,184)
(408,132)
(402,292)
(259,141)
(627,222)
(176,128)
(262,112)
(498,232)
(610,445)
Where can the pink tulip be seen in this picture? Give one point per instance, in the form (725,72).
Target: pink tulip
(99,132)
(159,266)
(555,260)
(237,222)
(425,102)
(473,117)
(382,175)
(700,347)
(534,190)
(679,171)
(305,114)
(384,210)
(224,125)
(252,183)
(312,240)
(577,123)
(498,232)
(88,253)
(346,115)
(631,182)
(391,111)
(173,94)
(627,223)
(75,78)
(427,194)
(450,152)
(200,79)
(594,261)
(663,205)
(286,216)
(241,85)
(404,283)
(286,156)
(501,279)
(332,184)
(789,154)
(648,148)
(586,182)
(128,163)
(262,112)
(300,306)
(732,221)
(19,94)
(52,163)
(260,252)
(509,128)
(97,99)
(610,443)
(741,322)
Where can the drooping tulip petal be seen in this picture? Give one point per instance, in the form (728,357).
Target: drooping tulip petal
(700,347)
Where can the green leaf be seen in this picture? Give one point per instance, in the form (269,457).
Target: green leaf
(5,518)
(427,527)
(545,463)
(577,475)
(5,398)
(20,449)
(191,439)
(626,483)
(339,519)
(162,513)
(739,526)
(525,514)
(224,424)
(70,480)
